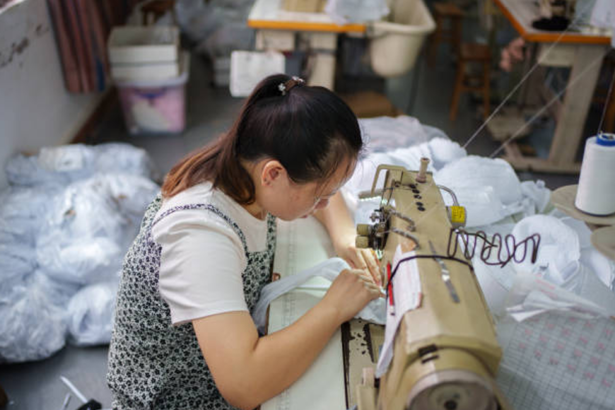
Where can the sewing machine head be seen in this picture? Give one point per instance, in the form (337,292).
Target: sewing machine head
(445,351)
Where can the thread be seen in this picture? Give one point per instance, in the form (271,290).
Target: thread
(596,192)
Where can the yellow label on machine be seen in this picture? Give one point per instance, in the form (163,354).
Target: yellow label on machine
(458,214)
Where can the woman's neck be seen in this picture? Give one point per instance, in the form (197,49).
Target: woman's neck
(255,210)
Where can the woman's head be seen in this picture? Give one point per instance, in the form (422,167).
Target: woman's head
(309,131)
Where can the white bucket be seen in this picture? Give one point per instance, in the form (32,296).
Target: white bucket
(395,45)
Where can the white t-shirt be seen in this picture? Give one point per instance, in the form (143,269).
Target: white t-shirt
(202,256)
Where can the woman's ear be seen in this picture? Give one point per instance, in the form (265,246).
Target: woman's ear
(272,172)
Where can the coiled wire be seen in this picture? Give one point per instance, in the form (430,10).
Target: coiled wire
(504,249)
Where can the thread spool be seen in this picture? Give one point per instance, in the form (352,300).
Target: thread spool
(596,193)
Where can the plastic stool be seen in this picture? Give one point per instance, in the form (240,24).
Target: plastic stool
(452,35)
(471,52)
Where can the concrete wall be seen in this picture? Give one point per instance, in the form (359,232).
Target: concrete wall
(35,108)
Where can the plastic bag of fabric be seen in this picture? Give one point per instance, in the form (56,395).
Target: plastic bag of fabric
(91,225)
(87,209)
(226,39)
(16,262)
(131,193)
(25,170)
(53,165)
(80,161)
(73,160)
(23,210)
(32,325)
(80,262)
(83,238)
(356,11)
(196,19)
(59,166)
(124,158)
(90,314)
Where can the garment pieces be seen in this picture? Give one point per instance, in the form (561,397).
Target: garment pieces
(374,312)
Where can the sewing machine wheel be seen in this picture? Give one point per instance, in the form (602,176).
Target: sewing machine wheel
(452,390)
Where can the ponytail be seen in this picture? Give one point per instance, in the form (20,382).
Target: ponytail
(309,130)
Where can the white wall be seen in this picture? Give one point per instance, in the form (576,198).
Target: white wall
(35,108)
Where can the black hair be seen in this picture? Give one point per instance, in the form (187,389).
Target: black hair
(308,129)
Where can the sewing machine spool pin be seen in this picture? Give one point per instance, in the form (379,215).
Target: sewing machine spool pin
(422,175)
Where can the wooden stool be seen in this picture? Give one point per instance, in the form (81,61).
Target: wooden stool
(452,35)
(471,52)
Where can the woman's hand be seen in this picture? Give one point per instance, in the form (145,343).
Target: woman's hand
(364,259)
(350,292)
(249,369)
(339,224)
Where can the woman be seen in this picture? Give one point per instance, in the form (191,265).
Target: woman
(183,335)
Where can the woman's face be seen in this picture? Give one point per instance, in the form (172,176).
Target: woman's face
(288,200)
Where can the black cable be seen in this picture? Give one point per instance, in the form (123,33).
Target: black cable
(409,258)
(505,249)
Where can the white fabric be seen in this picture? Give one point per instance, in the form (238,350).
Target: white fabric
(439,150)
(374,312)
(202,257)
(385,134)
(407,296)
(558,253)
(356,11)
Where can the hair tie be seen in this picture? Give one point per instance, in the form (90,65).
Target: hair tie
(288,85)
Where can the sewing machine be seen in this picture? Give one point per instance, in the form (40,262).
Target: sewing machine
(445,351)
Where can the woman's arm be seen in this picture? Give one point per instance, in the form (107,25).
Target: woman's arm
(249,370)
(339,224)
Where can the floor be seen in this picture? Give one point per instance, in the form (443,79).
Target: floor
(210,111)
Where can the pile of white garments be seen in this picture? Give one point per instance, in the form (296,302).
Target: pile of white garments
(553,316)
(66,222)
(495,201)
(217,27)
(549,313)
